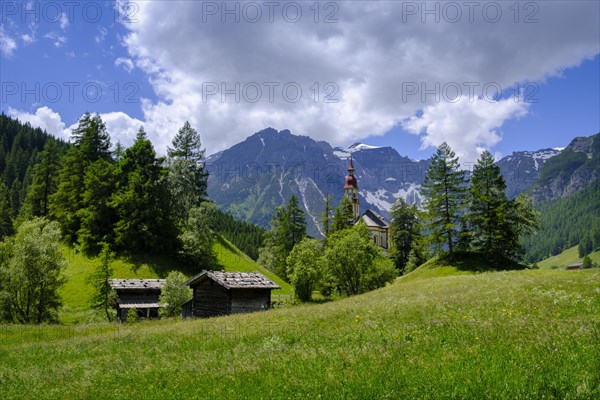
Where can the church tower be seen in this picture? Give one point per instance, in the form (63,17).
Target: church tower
(351,189)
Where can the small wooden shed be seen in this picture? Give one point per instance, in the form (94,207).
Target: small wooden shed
(221,293)
(575,266)
(141,294)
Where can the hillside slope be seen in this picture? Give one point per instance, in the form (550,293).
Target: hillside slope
(520,334)
(567,257)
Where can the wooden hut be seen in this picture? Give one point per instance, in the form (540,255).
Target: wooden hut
(221,293)
(141,294)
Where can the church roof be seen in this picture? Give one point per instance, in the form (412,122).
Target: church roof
(371,218)
(350,182)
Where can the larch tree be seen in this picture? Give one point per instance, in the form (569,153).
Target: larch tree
(104,297)
(444,189)
(141,202)
(487,215)
(404,231)
(44,182)
(91,142)
(188,178)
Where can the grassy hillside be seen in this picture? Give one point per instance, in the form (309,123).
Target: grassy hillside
(517,334)
(567,257)
(76,292)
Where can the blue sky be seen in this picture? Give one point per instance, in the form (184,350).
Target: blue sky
(156,68)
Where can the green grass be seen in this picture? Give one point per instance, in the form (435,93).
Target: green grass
(232,259)
(567,257)
(515,334)
(76,292)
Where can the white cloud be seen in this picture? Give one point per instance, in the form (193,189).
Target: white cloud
(127,63)
(101,36)
(64,21)
(44,118)
(370,55)
(29,38)
(7,44)
(57,39)
(120,126)
(469,127)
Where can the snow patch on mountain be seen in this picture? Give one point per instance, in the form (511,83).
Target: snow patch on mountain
(302,183)
(343,154)
(381,198)
(362,146)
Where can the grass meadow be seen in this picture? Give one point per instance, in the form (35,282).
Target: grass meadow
(435,333)
(567,257)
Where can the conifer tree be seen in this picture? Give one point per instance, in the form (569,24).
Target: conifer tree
(343,217)
(487,215)
(144,217)
(326,218)
(91,142)
(445,197)
(104,296)
(6,225)
(44,182)
(188,178)
(297,222)
(404,231)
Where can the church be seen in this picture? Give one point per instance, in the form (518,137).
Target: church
(377,224)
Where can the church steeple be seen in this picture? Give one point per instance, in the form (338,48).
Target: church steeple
(351,188)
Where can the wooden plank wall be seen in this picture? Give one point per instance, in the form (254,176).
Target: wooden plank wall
(249,300)
(210,299)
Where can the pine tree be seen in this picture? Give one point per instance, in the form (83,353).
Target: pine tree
(444,190)
(6,212)
(97,216)
(343,217)
(326,218)
(188,178)
(91,138)
(144,220)
(197,239)
(104,297)
(404,231)
(67,200)
(44,182)
(288,228)
(297,222)
(91,142)
(487,215)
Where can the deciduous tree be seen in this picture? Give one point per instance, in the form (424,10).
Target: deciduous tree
(33,274)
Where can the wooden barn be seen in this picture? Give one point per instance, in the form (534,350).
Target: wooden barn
(141,294)
(220,293)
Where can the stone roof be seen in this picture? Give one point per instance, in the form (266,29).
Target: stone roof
(119,284)
(142,302)
(235,280)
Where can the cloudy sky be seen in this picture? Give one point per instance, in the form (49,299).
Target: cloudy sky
(501,76)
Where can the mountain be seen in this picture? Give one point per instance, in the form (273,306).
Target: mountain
(569,172)
(522,169)
(252,178)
